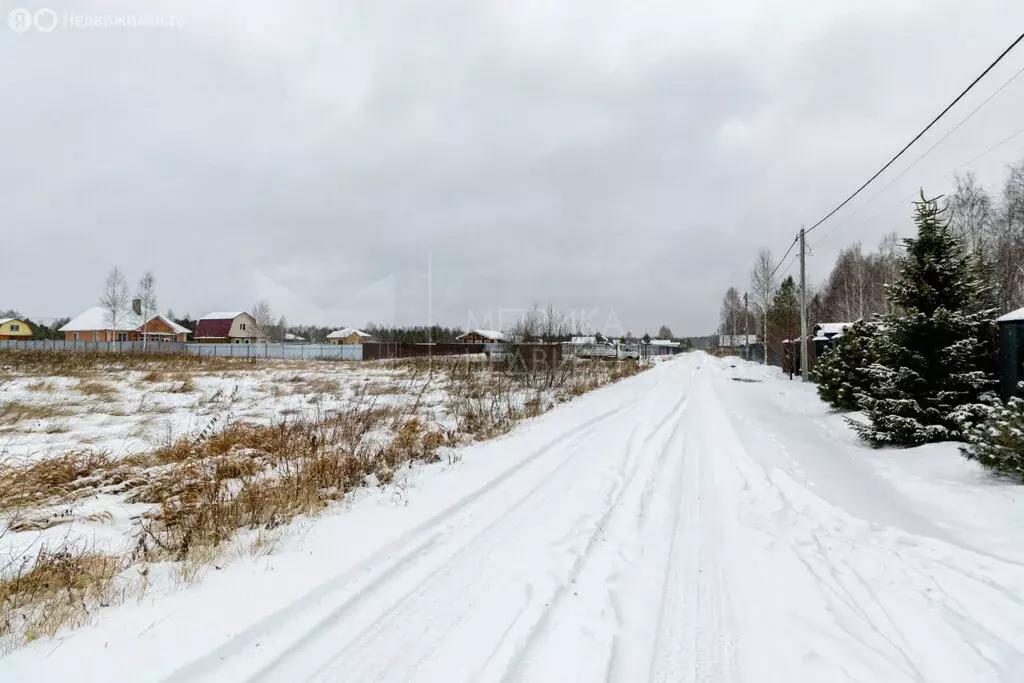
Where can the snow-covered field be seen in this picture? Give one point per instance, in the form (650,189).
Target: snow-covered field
(124,473)
(707,520)
(123,412)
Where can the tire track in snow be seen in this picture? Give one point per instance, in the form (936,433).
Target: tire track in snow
(346,591)
(567,642)
(693,641)
(447,593)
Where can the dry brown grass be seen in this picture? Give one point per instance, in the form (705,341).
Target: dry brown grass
(384,388)
(101,389)
(53,590)
(231,476)
(315,385)
(62,478)
(42,386)
(16,411)
(182,384)
(258,477)
(90,363)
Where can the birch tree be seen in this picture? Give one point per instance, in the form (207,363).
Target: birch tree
(145,292)
(763,284)
(264,316)
(114,299)
(732,313)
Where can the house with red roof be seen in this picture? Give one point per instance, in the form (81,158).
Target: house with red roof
(228,328)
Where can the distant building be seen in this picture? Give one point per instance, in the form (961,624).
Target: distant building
(14,328)
(662,347)
(228,328)
(735,341)
(824,336)
(481,337)
(1011,354)
(349,335)
(290,338)
(162,329)
(95,325)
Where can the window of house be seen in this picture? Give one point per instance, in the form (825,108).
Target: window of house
(15,328)
(243,327)
(95,336)
(74,336)
(122,336)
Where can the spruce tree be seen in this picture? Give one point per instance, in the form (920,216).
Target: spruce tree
(842,372)
(998,442)
(784,315)
(931,373)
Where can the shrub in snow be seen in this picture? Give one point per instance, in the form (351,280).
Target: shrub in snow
(998,442)
(842,372)
(933,370)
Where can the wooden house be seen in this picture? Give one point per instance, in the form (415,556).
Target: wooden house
(15,329)
(228,328)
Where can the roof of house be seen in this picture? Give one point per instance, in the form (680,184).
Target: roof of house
(488,334)
(178,329)
(664,342)
(737,339)
(1012,317)
(293,337)
(217,328)
(831,329)
(222,315)
(98,318)
(347,332)
(217,325)
(4,321)
(583,340)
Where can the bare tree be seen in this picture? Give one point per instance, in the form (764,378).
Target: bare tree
(731,314)
(763,283)
(971,215)
(890,248)
(1008,247)
(114,299)
(540,325)
(264,316)
(145,292)
(847,292)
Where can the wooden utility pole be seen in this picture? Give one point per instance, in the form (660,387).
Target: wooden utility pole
(803,306)
(746,329)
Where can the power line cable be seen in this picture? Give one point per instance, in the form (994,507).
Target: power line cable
(918,136)
(781,260)
(875,215)
(944,137)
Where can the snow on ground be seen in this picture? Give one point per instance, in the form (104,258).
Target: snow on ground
(679,525)
(127,412)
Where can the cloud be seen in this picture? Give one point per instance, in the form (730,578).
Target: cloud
(621,157)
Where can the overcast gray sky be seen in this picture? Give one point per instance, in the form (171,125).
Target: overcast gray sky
(622,158)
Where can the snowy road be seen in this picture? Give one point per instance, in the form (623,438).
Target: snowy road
(679,526)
